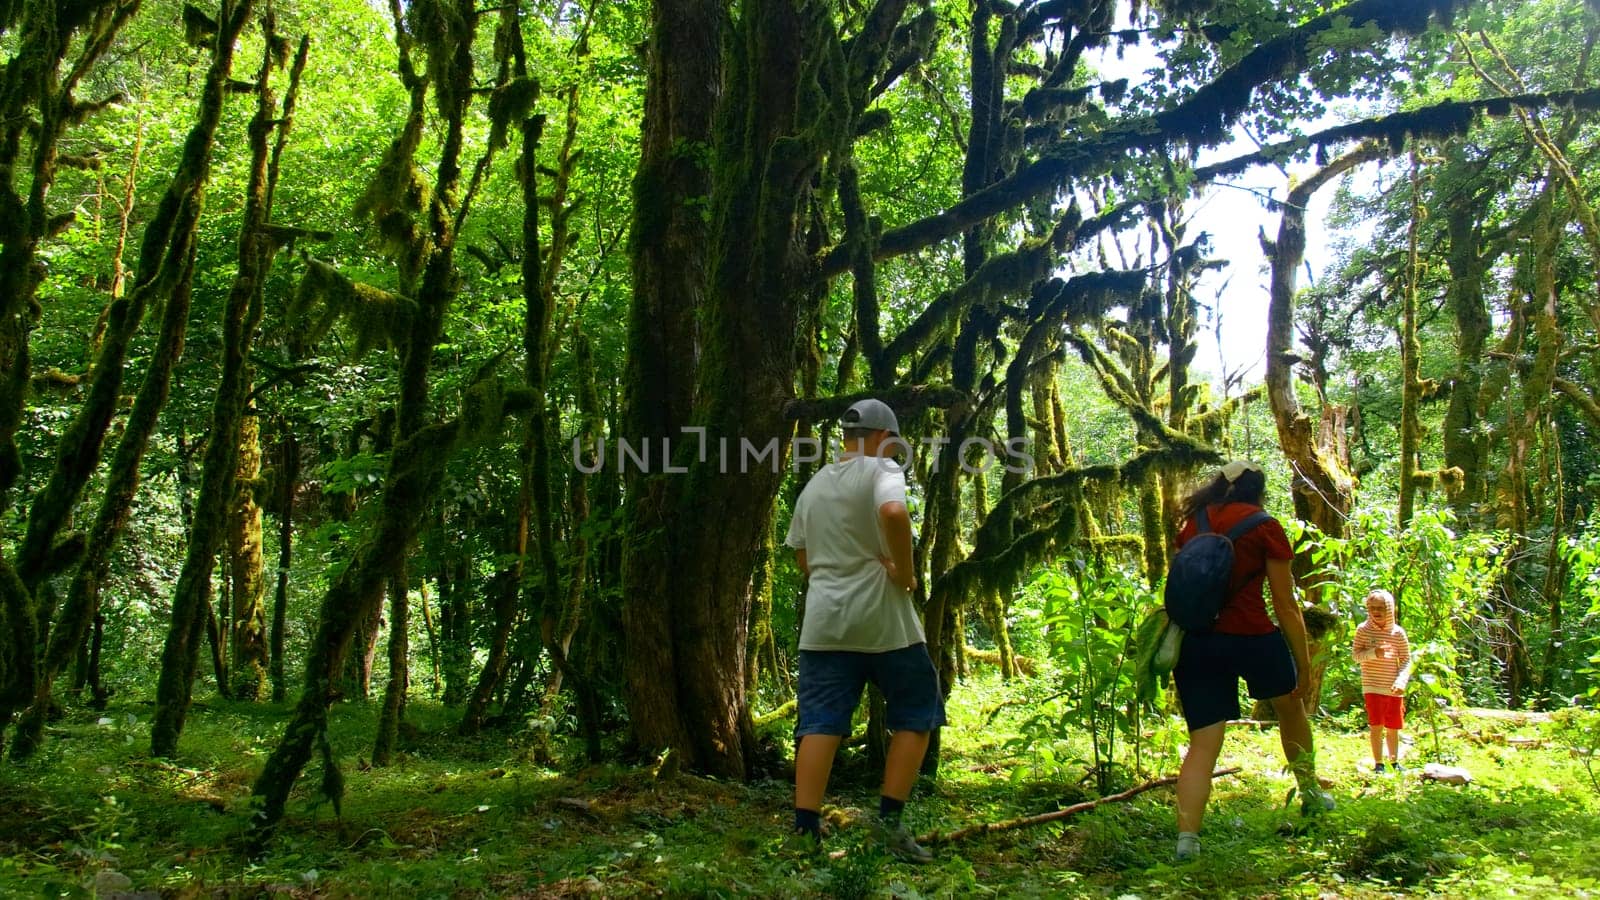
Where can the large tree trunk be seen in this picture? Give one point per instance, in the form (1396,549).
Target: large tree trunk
(1322,485)
(670,241)
(714,344)
(1463,447)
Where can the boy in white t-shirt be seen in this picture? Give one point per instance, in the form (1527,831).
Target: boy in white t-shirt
(851,534)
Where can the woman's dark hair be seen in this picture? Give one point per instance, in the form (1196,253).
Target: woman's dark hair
(1249,487)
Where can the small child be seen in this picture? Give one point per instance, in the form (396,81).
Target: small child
(1385,657)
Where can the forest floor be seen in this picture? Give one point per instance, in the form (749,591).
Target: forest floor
(459,818)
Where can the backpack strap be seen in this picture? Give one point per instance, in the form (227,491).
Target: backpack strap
(1202,525)
(1246,525)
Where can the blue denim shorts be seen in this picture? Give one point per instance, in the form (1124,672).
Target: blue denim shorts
(1211,664)
(831,682)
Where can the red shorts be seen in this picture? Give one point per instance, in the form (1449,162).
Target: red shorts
(1382,709)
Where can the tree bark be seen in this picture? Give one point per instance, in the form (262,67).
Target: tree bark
(1322,486)
(219,473)
(394,694)
(248,648)
(1463,446)
(288,478)
(1410,356)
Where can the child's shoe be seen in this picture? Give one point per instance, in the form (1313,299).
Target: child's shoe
(1381,769)
(1188,847)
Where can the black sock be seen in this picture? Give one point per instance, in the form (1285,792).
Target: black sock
(889,809)
(808,821)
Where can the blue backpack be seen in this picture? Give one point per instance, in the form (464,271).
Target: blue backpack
(1201,576)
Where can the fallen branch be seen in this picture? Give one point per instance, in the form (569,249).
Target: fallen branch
(961,834)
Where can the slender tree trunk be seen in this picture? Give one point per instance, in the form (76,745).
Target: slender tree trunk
(455,629)
(248,648)
(433,634)
(1556,572)
(1410,356)
(504,590)
(116,504)
(394,695)
(217,640)
(218,476)
(288,485)
(357,680)
(165,255)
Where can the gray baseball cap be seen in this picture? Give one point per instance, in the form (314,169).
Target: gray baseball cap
(873,415)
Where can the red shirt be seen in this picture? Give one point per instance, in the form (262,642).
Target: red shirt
(1246,611)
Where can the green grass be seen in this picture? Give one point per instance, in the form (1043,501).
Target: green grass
(477,818)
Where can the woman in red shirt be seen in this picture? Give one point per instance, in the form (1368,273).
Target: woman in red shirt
(1244,643)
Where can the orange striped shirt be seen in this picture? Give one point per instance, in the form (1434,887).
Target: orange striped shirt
(1378,674)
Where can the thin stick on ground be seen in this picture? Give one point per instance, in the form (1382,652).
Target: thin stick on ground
(961,834)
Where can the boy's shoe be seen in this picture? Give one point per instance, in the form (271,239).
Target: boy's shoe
(1188,847)
(1396,766)
(898,840)
(1381,769)
(1315,803)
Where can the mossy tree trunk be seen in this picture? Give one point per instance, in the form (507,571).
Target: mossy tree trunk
(219,473)
(504,593)
(714,338)
(1525,428)
(287,481)
(1411,384)
(1322,485)
(1464,447)
(36,108)
(455,632)
(247,645)
(394,693)
(122,483)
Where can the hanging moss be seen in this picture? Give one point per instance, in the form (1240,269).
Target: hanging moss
(483,410)
(446,30)
(510,103)
(399,193)
(325,296)
(1046,512)
(1131,544)
(199,29)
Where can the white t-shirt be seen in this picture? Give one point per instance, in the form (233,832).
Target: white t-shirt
(851,604)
